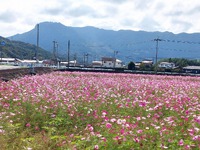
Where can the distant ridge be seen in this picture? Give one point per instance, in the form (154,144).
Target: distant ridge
(22,50)
(131,45)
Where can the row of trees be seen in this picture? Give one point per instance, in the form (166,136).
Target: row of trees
(182,62)
(179,62)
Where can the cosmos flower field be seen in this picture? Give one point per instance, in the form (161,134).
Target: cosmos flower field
(76,111)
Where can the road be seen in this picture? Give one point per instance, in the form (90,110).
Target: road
(5,67)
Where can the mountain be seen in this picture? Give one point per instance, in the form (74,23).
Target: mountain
(126,45)
(21,50)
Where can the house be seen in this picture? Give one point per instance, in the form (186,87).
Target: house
(192,69)
(147,63)
(96,63)
(118,63)
(30,63)
(111,62)
(11,61)
(48,62)
(167,65)
(71,63)
(137,65)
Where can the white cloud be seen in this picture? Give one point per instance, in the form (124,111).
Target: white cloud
(155,15)
(8,17)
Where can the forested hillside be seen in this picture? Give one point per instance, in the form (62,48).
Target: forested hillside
(21,50)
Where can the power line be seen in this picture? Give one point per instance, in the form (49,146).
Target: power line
(130,43)
(180,41)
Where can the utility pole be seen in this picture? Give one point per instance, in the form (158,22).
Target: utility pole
(87,59)
(94,57)
(36,52)
(75,57)
(157,40)
(54,52)
(68,53)
(57,50)
(114,59)
(84,60)
(57,60)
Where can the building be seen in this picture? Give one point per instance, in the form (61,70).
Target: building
(10,61)
(30,63)
(137,65)
(71,63)
(109,62)
(167,65)
(192,69)
(96,63)
(147,63)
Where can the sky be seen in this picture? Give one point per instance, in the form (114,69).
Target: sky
(177,16)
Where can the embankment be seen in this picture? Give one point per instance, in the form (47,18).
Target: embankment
(8,74)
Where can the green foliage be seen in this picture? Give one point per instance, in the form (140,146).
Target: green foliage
(181,62)
(21,50)
(145,67)
(131,66)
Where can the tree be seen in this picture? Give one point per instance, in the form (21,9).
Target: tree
(131,66)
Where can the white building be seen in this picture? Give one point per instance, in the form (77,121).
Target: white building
(96,63)
(71,63)
(111,62)
(10,61)
(30,63)
(167,65)
(148,63)
(137,65)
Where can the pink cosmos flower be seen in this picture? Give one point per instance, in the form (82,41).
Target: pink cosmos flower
(195,138)
(113,120)
(138,118)
(181,142)
(186,112)
(37,128)
(137,140)
(108,125)
(104,139)
(96,147)
(187,147)
(28,125)
(116,138)
(122,131)
(104,113)
(90,127)
(197,119)
(119,121)
(142,104)
(139,131)
(2,131)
